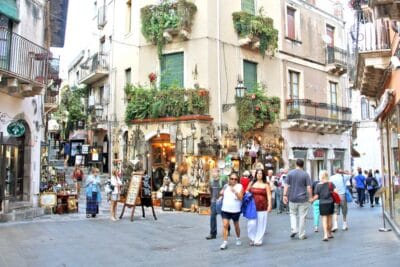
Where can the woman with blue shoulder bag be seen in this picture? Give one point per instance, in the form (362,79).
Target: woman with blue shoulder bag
(93,193)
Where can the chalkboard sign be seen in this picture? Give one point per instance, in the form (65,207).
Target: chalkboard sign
(133,189)
(146,187)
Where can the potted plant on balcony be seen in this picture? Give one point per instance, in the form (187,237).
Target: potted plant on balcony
(258,30)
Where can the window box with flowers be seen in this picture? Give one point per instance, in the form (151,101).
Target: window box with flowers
(257,31)
(256,109)
(163,21)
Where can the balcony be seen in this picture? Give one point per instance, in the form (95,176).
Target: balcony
(23,65)
(101,17)
(50,102)
(336,60)
(306,115)
(94,69)
(386,9)
(373,56)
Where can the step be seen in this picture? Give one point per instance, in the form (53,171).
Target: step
(22,214)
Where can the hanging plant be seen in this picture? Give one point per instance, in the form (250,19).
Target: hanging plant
(255,109)
(260,27)
(158,21)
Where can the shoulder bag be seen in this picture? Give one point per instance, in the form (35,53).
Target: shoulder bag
(335,196)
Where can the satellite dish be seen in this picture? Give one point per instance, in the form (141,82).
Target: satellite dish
(327,39)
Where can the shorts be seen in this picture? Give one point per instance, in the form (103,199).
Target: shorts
(115,197)
(326,209)
(342,206)
(230,215)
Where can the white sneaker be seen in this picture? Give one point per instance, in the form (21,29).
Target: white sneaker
(345,228)
(238,242)
(224,245)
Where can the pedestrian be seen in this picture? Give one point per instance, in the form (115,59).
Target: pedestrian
(340,180)
(115,193)
(297,193)
(261,191)
(323,192)
(315,205)
(378,177)
(372,186)
(245,179)
(360,187)
(216,185)
(77,177)
(67,152)
(231,204)
(271,181)
(93,193)
(282,180)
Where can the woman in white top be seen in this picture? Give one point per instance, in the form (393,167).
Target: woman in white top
(115,194)
(232,201)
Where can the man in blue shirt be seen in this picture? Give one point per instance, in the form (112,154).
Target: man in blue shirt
(360,186)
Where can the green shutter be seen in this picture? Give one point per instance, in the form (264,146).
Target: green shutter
(9,9)
(250,75)
(172,71)
(248,6)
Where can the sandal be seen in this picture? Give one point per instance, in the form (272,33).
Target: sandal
(88,216)
(331,236)
(325,239)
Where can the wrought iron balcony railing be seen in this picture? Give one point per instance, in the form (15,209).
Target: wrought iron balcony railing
(320,112)
(336,55)
(22,59)
(94,68)
(372,35)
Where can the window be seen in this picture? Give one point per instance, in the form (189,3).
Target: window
(248,6)
(291,23)
(333,97)
(128,74)
(330,32)
(294,84)
(364,108)
(172,71)
(128,16)
(250,75)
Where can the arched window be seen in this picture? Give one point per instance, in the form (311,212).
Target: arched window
(364,108)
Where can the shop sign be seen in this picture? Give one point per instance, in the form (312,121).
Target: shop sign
(319,153)
(16,129)
(85,149)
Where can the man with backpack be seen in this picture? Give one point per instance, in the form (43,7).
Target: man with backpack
(339,179)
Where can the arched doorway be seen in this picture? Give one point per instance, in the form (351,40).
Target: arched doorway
(162,158)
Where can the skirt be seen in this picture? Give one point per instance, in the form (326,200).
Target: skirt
(326,208)
(92,206)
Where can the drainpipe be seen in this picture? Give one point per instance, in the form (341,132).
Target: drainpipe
(219,71)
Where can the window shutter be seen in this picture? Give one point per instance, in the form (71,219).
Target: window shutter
(248,6)
(172,70)
(291,24)
(250,75)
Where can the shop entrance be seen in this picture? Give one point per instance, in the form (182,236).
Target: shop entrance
(161,158)
(318,166)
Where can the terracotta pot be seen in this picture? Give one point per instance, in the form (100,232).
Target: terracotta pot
(179,190)
(178,205)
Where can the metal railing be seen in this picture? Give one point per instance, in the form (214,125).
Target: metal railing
(23,58)
(48,99)
(323,112)
(336,55)
(96,63)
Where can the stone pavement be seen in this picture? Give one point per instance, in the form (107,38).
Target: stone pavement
(178,239)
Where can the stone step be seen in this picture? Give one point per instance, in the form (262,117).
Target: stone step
(22,214)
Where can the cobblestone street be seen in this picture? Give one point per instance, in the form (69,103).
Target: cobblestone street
(178,239)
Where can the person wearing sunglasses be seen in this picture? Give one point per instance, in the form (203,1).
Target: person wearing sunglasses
(232,195)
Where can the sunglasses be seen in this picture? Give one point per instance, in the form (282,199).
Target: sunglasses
(233,179)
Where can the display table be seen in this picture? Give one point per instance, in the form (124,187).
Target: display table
(67,202)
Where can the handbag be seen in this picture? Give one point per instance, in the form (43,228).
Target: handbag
(335,196)
(347,194)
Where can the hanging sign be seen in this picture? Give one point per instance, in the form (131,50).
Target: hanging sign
(16,129)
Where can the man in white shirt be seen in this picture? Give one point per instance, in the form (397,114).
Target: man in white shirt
(339,179)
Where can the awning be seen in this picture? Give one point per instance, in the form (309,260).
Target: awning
(355,153)
(9,9)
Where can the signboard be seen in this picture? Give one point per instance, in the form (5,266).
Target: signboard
(319,153)
(146,187)
(58,21)
(85,149)
(16,129)
(133,189)
(48,200)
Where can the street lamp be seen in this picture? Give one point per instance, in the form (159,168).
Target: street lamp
(98,111)
(240,92)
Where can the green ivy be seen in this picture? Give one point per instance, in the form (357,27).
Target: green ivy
(166,15)
(255,109)
(257,26)
(151,103)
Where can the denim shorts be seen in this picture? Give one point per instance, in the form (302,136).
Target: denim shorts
(229,215)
